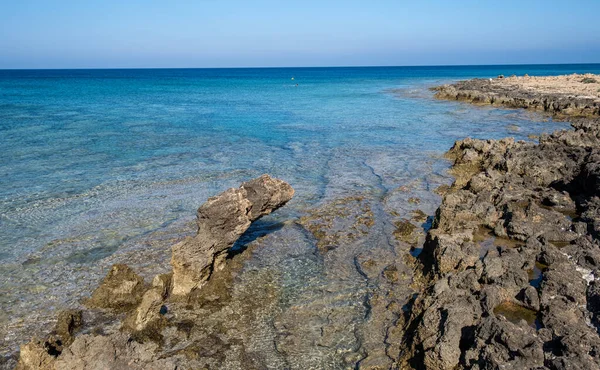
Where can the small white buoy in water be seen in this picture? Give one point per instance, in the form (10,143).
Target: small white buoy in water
(292,78)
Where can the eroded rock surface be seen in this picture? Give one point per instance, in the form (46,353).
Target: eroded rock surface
(159,325)
(509,268)
(40,354)
(121,289)
(221,221)
(566,96)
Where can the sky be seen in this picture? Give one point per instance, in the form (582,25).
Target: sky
(265,33)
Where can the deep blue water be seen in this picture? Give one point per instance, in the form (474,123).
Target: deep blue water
(94,160)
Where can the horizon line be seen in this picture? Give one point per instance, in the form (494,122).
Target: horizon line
(297,67)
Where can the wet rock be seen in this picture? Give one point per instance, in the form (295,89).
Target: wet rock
(120,290)
(221,221)
(405,231)
(391,273)
(419,216)
(342,221)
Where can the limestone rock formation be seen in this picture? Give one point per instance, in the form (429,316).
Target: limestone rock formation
(121,289)
(508,262)
(221,221)
(149,313)
(68,322)
(151,336)
(41,354)
(510,267)
(508,277)
(564,96)
(117,352)
(34,355)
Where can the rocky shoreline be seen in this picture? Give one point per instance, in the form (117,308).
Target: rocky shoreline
(506,277)
(130,333)
(510,268)
(561,96)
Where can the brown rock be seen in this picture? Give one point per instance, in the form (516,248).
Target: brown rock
(34,355)
(147,313)
(163,282)
(68,322)
(116,351)
(221,221)
(121,289)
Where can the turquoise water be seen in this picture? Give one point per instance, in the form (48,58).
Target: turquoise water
(104,166)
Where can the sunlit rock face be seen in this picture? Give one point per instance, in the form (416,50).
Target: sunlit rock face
(221,221)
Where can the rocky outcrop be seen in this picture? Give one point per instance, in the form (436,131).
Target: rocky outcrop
(579,99)
(116,351)
(221,221)
(149,313)
(154,323)
(40,354)
(120,290)
(509,267)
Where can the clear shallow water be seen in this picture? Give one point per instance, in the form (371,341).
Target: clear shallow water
(106,166)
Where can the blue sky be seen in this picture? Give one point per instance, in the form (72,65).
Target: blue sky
(236,33)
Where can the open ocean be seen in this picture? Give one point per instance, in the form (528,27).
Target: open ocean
(106,166)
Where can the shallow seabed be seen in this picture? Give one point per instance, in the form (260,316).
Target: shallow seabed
(100,167)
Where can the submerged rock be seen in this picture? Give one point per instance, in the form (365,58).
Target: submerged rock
(342,221)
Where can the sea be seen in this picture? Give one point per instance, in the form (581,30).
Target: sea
(109,166)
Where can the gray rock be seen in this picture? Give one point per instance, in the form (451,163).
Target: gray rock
(530,298)
(512,205)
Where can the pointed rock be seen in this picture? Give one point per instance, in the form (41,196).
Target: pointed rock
(221,221)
